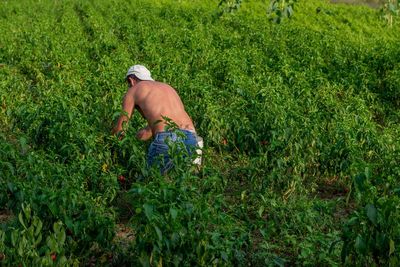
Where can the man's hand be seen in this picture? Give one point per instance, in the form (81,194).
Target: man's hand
(115,130)
(144,134)
(118,132)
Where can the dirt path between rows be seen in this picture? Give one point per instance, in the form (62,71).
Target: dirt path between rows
(5,216)
(371,3)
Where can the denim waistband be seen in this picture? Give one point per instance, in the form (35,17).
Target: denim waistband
(160,136)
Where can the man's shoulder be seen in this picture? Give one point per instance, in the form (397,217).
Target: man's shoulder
(143,88)
(143,85)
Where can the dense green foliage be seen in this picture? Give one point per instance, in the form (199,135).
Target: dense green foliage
(301,124)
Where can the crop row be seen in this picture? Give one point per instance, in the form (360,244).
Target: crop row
(300,122)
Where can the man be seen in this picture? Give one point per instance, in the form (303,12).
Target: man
(156,102)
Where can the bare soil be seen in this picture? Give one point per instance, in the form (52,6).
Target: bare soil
(370,3)
(5,216)
(124,233)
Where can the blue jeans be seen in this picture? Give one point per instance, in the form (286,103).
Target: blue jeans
(158,150)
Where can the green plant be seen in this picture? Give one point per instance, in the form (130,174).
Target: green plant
(389,10)
(281,9)
(30,245)
(371,234)
(174,226)
(229,6)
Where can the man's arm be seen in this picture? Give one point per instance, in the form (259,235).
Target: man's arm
(127,106)
(145,133)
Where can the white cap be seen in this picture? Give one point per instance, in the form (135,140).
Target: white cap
(141,72)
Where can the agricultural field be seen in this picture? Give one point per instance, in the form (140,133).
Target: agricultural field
(300,120)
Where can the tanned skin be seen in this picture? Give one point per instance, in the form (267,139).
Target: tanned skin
(153,100)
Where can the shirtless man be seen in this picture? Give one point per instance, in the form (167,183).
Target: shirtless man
(155,100)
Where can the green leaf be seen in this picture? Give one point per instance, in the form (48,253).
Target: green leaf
(367,173)
(51,243)
(174,213)
(224,256)
(53,208)
(59,232)
(381,240)
(289,11)
(144,259)
(21,247)
(279,261)
(392,248)
(344,252)
(360,181)
(2,236)
(14,238)
(261,211)
(27,212)
(21,220)
(57,227)
(397,191)
(39,226)
(360,245)
(371,213)
(158,231)
(23,143)
(352,221)
(148,210)
(392,7)
(333,245)
(38,240)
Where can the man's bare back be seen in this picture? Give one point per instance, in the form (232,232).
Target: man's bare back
(154,100)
